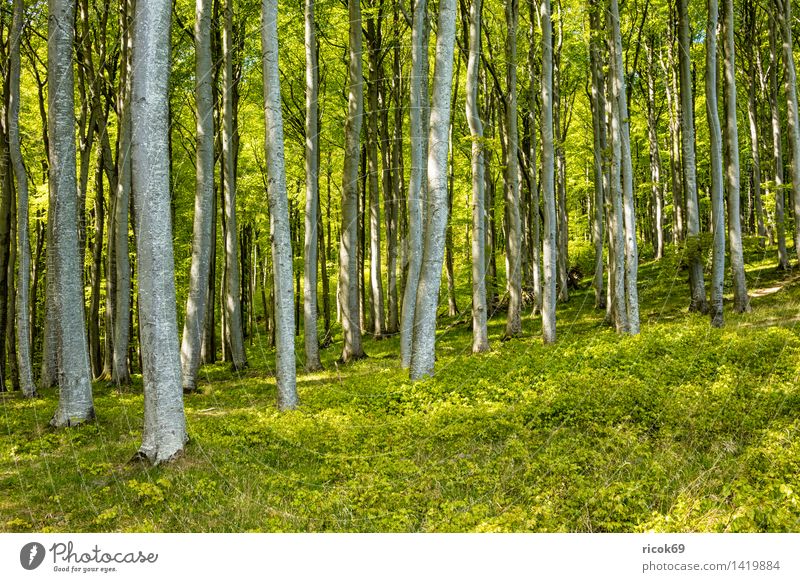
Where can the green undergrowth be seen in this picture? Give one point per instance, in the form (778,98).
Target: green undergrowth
(682,428)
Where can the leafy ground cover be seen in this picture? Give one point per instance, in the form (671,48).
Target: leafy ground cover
(682,428)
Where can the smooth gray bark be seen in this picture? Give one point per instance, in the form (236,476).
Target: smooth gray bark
(675,166)
(548,178)
(197,300)
(755,147)
(777,150)
(310,336)
(75,403)
(717,204)
(741,302)
(559,125)
(423,353)
(418,136)
(655,156)
(599,133)
(694,250)
(232,297)
(23,328)
(394,223)
(278,212)
(375,275)
(165,434)
(122,300)
(514,242)
(619,308)
(536,234)
(628,204)
(348,259)
(480,334)
(783,9)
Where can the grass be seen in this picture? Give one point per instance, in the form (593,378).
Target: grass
(682,428)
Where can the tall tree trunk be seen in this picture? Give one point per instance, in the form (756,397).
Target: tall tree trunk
(675,165)
(6,242)
(777,149)
(12,375)
(741,302)
(562,227)
(109,265)
(599,132)
(95,354)
(694,250)
(122,327)
(233,312)
(548,170)
(278,212)
(310,337)
(535,242)
(655,156)
(514,242)
(202,228)
(628,204)
(23,301)
(348,253)
(480,334)
(717,204)
(164,422)
(423,351)
(619,310)
(755,143)
(416,189)
(784,17)
(449,266)
(75,403)
(393,223)
(373,137)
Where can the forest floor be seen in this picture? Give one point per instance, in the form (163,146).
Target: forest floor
(682,428)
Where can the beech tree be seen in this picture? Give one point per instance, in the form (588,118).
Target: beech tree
(535,219)
(418,88)
(197,301)
(423,352)
(695,258)
(122,280)
(717,208)
(348,263)
(741,302)
(620,102)
(21,181)
(75,403)
(480,337)
(164,421)
(777,149)
(547,180)
(783,12)
(312,194)
(598,104)
(514,242)
(234,334)
(279,212)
